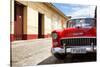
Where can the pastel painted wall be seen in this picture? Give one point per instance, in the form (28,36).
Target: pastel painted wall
(52,20)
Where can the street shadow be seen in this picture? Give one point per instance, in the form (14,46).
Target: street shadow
(73,59)
(51,60)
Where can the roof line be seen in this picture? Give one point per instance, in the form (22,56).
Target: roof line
(57,10)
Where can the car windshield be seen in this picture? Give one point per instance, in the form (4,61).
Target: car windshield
(88,22)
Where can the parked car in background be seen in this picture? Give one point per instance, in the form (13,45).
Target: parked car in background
(78,38)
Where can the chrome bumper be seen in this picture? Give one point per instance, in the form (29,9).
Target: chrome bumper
(69,49)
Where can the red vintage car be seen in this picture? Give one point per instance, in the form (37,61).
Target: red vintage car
(78,38)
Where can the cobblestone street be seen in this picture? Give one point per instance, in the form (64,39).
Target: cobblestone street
(30,52)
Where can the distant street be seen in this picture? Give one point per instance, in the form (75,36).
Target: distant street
(37,52)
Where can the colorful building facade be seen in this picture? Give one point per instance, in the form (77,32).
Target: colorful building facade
(33,20)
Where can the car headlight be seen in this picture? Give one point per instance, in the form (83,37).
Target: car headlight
(54,35)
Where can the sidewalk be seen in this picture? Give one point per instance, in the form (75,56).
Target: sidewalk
(30,52)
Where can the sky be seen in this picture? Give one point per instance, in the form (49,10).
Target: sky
(76,10)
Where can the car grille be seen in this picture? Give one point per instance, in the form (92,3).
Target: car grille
(78,41)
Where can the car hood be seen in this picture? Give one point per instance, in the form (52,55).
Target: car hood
(77,32)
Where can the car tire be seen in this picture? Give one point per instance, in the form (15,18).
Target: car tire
(60,56)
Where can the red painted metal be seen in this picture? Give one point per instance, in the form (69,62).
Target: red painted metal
(68,32)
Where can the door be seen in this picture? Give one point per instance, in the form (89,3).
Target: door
(18,24)
(40,25)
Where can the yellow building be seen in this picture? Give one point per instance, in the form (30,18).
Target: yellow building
(31,20)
